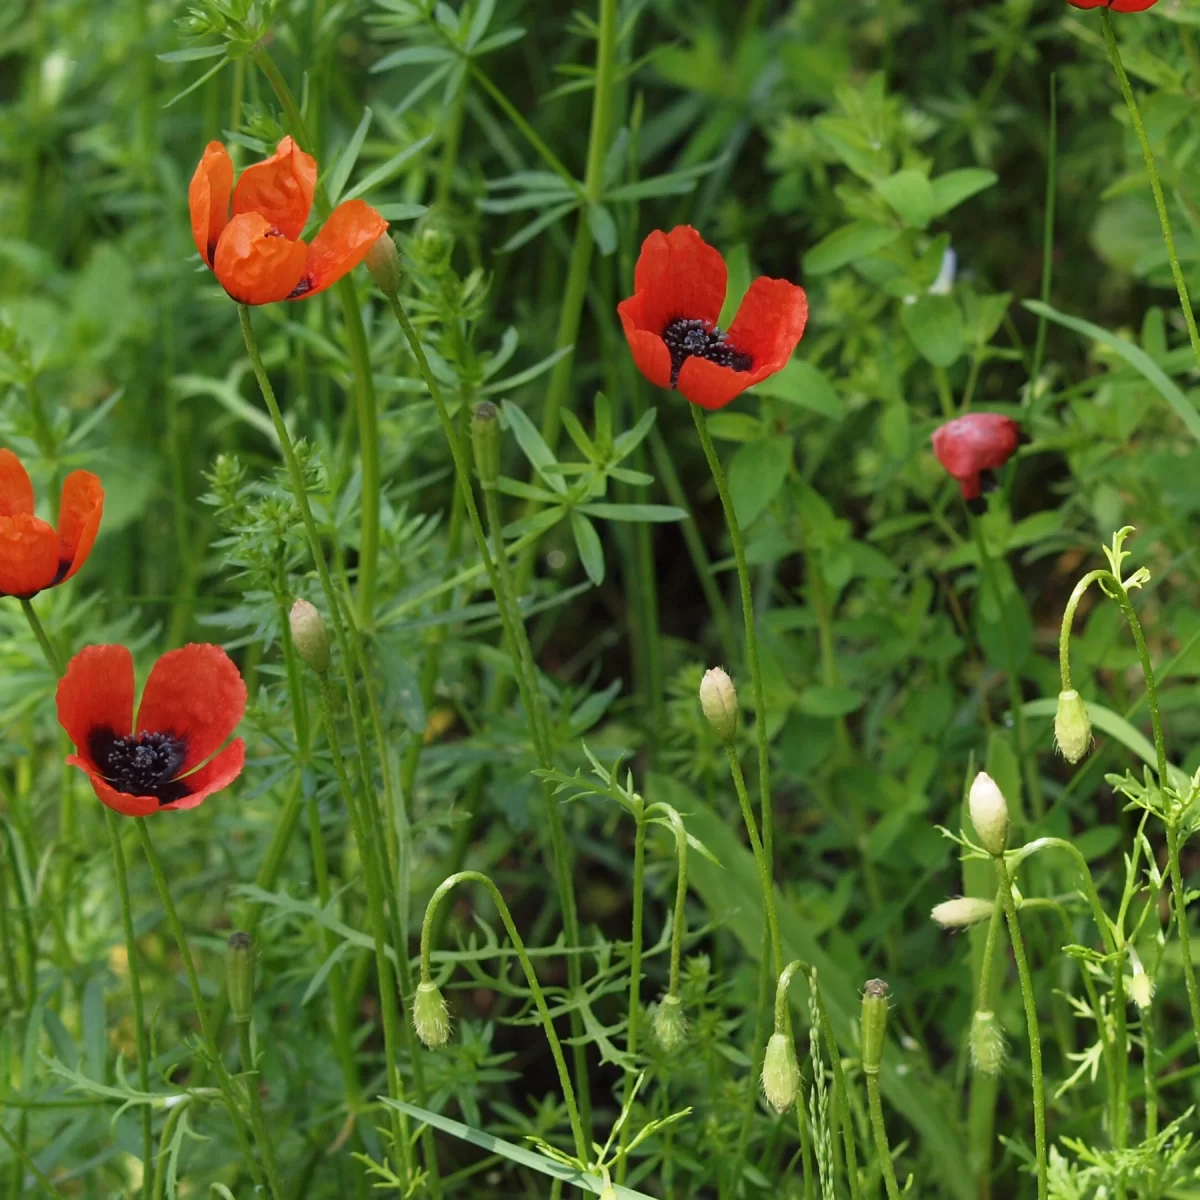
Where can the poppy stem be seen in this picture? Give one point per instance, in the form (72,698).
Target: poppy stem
(43,639)
(1160,203)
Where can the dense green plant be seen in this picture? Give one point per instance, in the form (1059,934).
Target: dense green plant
(518,893)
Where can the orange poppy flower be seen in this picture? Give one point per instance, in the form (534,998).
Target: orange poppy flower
(32,555)
(192,702)
(255,249)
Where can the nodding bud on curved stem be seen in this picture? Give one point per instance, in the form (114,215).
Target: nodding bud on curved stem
(670,1025)
(383,262)
(987,1043)
(1072,726)
(780,1073)
(718,699)
(962,911)
(431,1017)
(989,814)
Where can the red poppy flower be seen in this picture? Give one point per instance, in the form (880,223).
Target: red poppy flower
(32,555)
(256,253)
(671,321)
(973,443)
(1115,5)
(192,702)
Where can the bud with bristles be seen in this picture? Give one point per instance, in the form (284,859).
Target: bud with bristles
(781,1072)
(431,1017)
(1140,985)
(670,1025)
(987,1043)
(989,813)
(874,1024)
(309,635)
(485,443)
(383,261)
(962,911)
(239,976)
(718,699)
(1072,726)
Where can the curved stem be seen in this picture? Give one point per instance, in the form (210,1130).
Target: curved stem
(760,859)
(1160,203)
(879,1129)
(635,989)
(43,640)
(1031,1020)
(1068,620)
(539,999)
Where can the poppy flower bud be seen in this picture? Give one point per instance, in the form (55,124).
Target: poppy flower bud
(383,261)
(431,1017)
(974,443)
(433,247)
(718,699)
(670,1025)
(1140,985)
(485,442)
(987,1043)
(309,636)
(781,1072)
(989,813)
(962,911)
(239,975)
(874,1024)
(1072,726)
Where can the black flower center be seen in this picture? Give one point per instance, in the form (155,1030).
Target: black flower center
(687,336)
(141,764)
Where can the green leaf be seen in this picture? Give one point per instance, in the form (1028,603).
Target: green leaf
(935,325)
(911,195)
(830,701)
(340,173)
(528,232)
(517,1154)
(634,512)
(587,542)
(191,54)
(389,169)
(804,384)
(951,189)
(859,239)
(95,1029)
(735,427)
(603,227)
(1135,356)
(756,475)
(531,442)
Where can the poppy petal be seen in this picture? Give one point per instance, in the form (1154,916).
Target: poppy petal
(678,274)
(122,802)
(216,774)
(650,354)
(769,323)
(16,489)
(254,264)
(28,556)
(96,693)
(344,241)
(279,188)
(710,385)
(208,198)
(196,694)
(79,519)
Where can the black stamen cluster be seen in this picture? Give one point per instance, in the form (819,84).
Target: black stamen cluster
(141,764)
(688,336)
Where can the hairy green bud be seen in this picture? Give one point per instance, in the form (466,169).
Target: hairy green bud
(431,1017)
(874,1024)
(485,443)
(987,1043)
(239,976)
(309,635)
(670,1025)
(1072,726)
(780,1073)
(383,261)
(989,813)
(718,699)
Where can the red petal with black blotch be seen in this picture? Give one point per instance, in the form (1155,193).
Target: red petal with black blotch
(344,241)
(973,443)
(96,693)
(216,774)
(196,694)
(279,188)
(678,275)
(79,516)
(121,802)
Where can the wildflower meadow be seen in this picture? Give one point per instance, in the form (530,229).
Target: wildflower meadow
(600,597)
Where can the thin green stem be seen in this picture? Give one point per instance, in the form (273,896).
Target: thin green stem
(1064,633)
(1039,346)
(1160,203)
(174,1116)
(1139,640)
(679,916)
(258,1117)
(633,1026)
(47,646)
(22,1159)
(1179,904)
(879,1129)
(142,1040)
(539,999)
(1004,887)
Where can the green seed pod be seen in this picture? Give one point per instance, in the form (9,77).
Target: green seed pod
(874,1024)
(987,1043)
(431,1017)
(383,261)
(310,636)
(989,813)
(1072,726)
(718,699)
(962,911)
(239,976)
(485,442)
(670,1025)
(781,1072)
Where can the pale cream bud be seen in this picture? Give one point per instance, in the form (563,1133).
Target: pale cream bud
(383,261)
(309,635)
(989,813)
(987,1043)
(670,1025)
(962,911)
(718,699)
(781,1072)
(1072,726)
(431,1017)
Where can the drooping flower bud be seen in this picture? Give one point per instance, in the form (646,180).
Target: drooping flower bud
(670,1025)
(485,443)
(718,699)
(431,1017)
(989,813)
(383,261)
(239,976)
(1072,726)
(874,1024)
(987,1043)
(309,635)
(781,1072)
(962,911)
